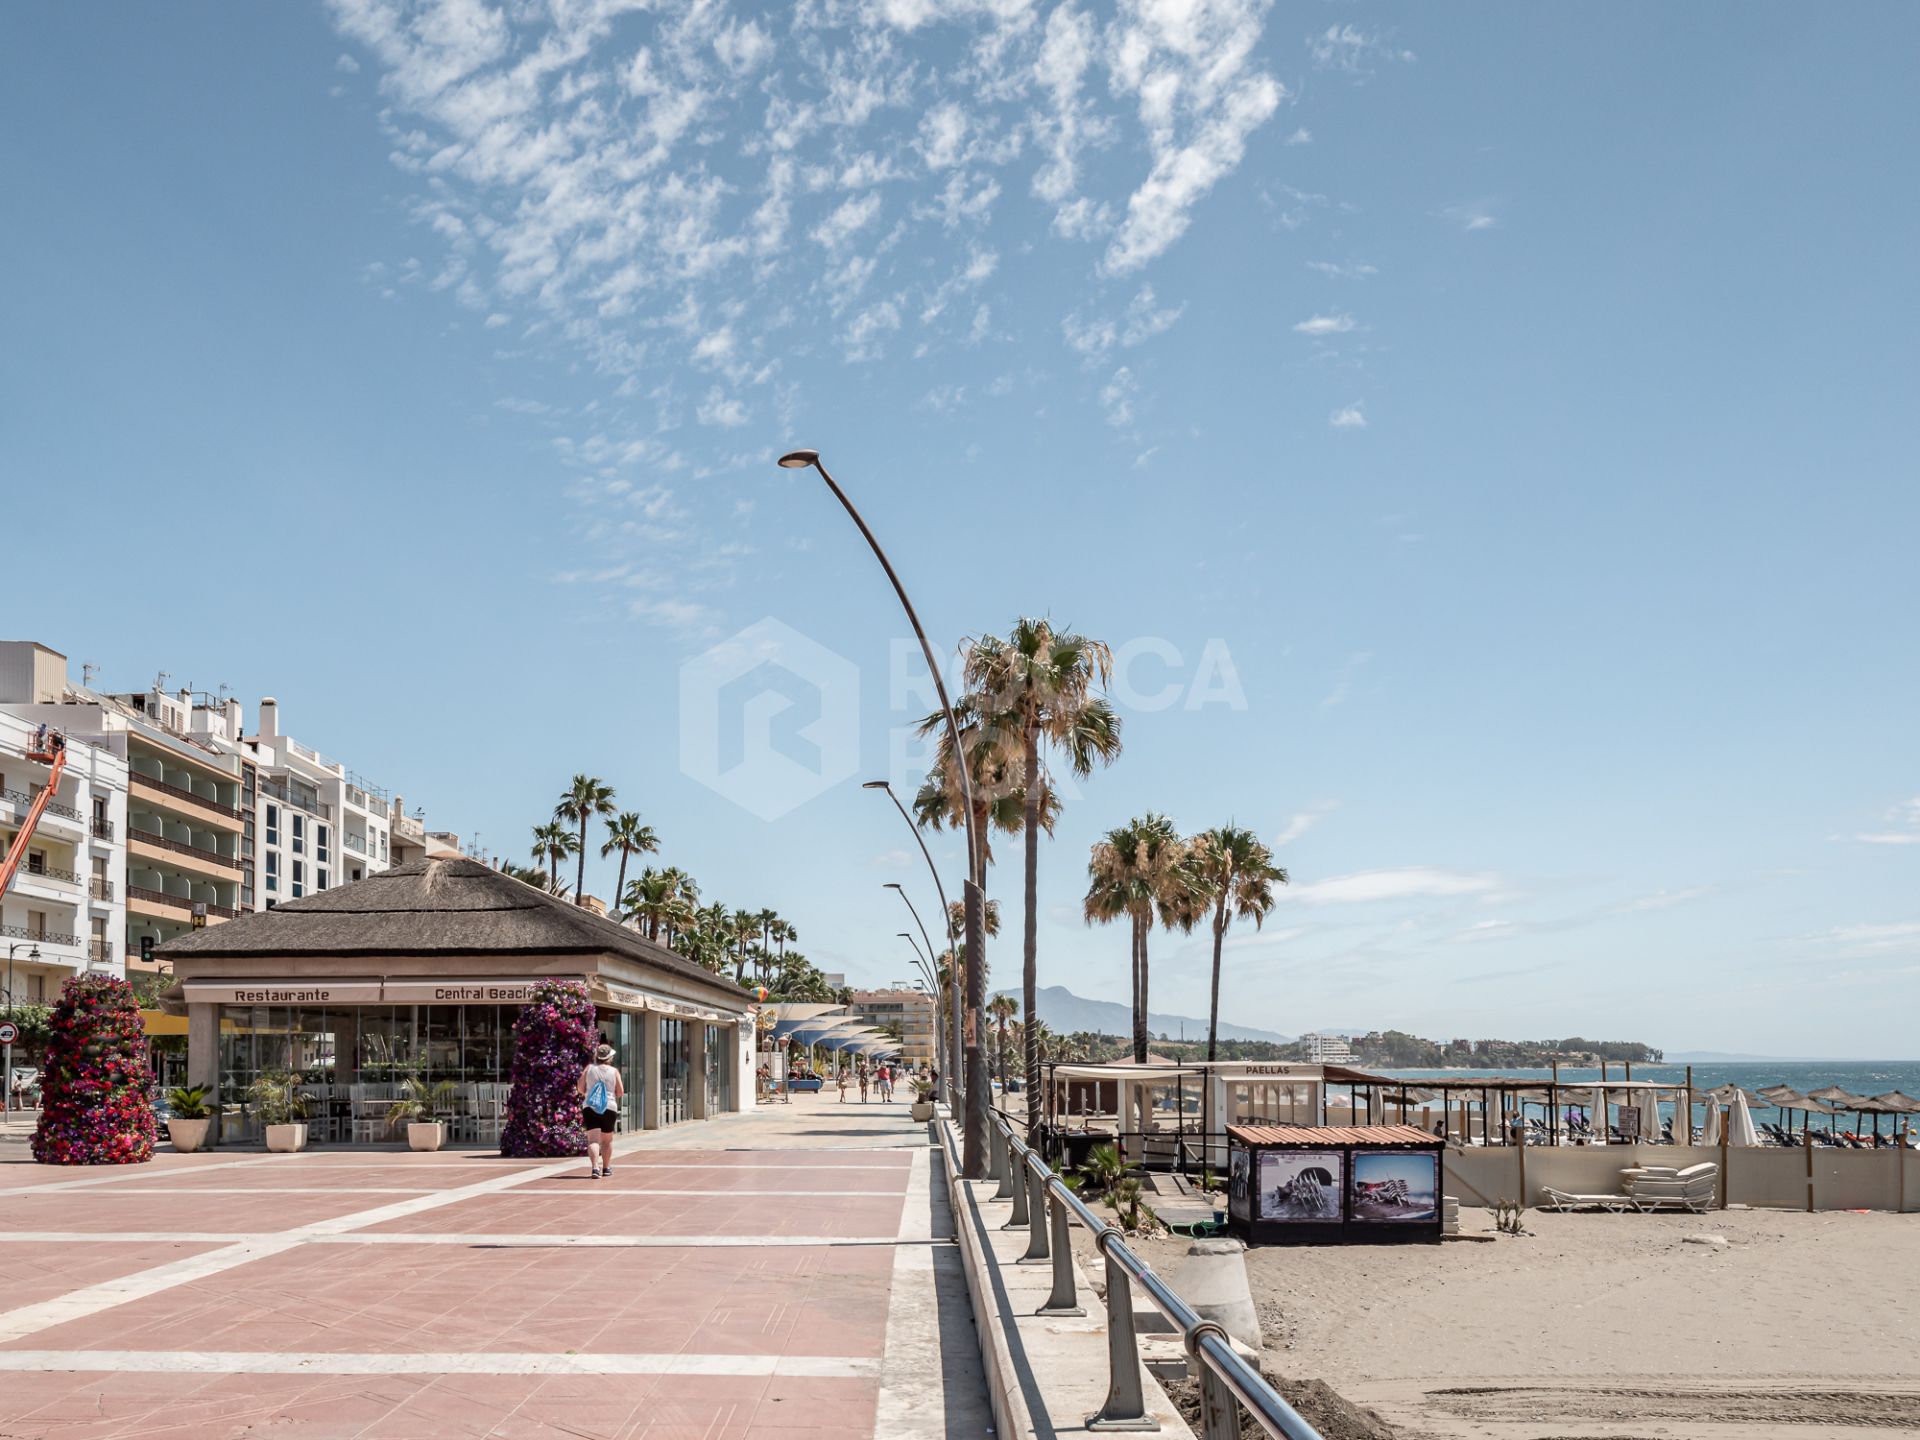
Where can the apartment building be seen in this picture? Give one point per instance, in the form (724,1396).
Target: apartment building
(901,1006)
(64,914)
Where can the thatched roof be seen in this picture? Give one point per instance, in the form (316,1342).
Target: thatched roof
(428,908)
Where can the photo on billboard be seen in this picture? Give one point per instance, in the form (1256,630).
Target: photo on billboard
(1395,1186)
(1300,1185)
(1239,1183)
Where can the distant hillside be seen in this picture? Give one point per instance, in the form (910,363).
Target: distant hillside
(1065,1012)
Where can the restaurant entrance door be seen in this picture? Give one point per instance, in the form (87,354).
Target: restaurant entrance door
(675,1065)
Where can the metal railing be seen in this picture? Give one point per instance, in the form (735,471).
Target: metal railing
(353,843)
(44,937)
(103,829)
(1047,1208)
(140,893)
(101,889)
(52,872)
(101,951)
(54,807)
(199,852)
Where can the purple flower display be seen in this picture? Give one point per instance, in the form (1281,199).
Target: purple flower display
(553,1038)
(96,1108)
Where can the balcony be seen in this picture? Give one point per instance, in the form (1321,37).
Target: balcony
(50,872)
(141,897)
(354,843)
(43,937)
(180,847)
(175,792)
(102,889)
(298,799)
(103,829)
(22,801)
(100,951)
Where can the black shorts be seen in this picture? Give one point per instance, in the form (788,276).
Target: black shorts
(599,1119)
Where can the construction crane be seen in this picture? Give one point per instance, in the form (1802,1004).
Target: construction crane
(49,747)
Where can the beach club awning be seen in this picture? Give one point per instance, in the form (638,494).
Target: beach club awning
(812,1032)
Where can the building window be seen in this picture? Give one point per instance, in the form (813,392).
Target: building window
(299,834)
(273,824)
(299,879)
(320,845)
(320,878)
(273,870)
(383,844)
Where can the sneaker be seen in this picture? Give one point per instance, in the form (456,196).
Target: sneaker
(606,1169)
(594,1175)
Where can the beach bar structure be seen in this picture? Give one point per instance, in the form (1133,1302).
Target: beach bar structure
(420,971)
(1333,1184)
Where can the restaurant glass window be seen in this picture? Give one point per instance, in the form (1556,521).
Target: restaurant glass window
(674,1065)
(719,1069)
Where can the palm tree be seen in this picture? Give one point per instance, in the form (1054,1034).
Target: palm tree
(957,917)
(651,900)
(626,834)
(744,925)
(586,799)
(1137,868)
(1003,1008)
(1042,684)
(553,843)
(1234,871)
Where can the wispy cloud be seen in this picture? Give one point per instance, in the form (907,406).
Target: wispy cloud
(1478,215)
(1343,682)
(1303,821)
(1355,51)
(1352,270)
(1417,882)
(1905,817)
(1348,417)
(1318,325)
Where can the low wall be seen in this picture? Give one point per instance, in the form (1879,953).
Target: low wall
(1771,1177)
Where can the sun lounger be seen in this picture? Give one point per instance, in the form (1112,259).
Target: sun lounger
(1565,1200)
(1657,1187)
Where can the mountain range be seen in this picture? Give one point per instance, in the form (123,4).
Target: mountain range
(1065,1012)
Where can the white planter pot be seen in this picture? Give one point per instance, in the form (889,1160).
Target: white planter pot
(188,1135)
(923,1110)
(285,1138)
(425,1134)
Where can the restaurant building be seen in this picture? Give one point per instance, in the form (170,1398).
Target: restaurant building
(419,971)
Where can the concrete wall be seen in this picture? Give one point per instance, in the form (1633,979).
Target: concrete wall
(1769,1178)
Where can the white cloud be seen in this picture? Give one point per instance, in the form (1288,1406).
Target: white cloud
(1116,397)
(1325,325)
(1889,837)
(862,337)
(1417,882)
(1906,816)
(1478,215)
(1301,136)
(1343,683)
(1299,824)
(849,219)
(721,409)
(1348,417)
(1353,50)
(1352,271)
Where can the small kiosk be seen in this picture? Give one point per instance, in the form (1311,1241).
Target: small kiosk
(1333,1185)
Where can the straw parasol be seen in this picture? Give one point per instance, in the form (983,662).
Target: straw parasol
(1841,1100)
(1793,1100)
(1891,1102)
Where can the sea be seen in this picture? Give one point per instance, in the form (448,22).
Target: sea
(1858,1077)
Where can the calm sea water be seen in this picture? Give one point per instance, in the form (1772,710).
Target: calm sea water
(1860,1077)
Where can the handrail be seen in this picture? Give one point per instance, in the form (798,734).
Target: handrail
(1227,1382)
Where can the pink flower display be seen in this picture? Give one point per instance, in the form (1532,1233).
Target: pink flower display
(97,1109)
(553,1038)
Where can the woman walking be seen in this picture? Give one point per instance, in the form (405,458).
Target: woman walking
(863,1084)
(600,1090)
(840,1079)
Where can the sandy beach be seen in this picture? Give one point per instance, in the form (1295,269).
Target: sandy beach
(1609,1326)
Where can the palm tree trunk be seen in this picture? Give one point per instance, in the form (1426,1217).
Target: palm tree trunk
(580,878)
(620,885)
(1140,1016)
(1133,965)
(1030,940)
(1213,1006)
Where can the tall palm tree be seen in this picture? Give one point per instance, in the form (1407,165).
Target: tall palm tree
(957,917)
(1135,870)
(1043,684)
(585,799)
(553,843)
(651,900)
(1233,871)
(745,925)
(627,834)
(1003,1008)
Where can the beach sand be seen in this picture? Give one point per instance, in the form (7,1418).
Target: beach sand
(1609,1326)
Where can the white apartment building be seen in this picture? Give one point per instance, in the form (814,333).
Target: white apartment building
(65,912)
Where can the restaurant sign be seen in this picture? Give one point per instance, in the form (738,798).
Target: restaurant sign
(366,992)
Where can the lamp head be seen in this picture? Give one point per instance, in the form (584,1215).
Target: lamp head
(904,935)
(799,459)
(891,885)
(34,953)
(875,785)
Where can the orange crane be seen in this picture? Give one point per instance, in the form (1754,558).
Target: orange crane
(49,747)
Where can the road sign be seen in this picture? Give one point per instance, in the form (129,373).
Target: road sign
(9,1032)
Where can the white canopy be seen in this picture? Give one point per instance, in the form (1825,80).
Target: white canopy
(1740,1126)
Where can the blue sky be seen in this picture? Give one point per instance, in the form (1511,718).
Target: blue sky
(1521,403)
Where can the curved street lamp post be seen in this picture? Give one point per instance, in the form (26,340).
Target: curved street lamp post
(974,1126)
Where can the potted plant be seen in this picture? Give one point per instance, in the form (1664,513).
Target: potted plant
(922,1100)
(419,1107)
(281,1109)
(190,1117)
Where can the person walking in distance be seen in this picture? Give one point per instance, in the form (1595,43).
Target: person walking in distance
(863,1084)
(600,1090)
(840,1079)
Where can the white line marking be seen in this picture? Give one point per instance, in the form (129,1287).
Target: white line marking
(439,1237)
(204,1362)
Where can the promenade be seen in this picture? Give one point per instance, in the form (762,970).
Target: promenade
(787,1272)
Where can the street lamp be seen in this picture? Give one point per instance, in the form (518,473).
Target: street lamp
(33,953)
(957,1045)
(920,964)
(974,1128)
(901,891)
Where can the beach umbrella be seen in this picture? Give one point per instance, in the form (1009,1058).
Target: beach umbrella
(1892,1102)
(1598,1120)
(1713,1125)
(1806,1104)
(1740,1127)
(1838,1098)
(1648,1104)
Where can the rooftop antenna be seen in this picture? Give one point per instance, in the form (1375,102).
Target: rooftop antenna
(224,688)
(160,681)
(87,671)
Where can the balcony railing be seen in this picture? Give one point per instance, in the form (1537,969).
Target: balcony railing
(102,889)
(103,829)
(46,937)
(354,843)
(101,951)
(52,872)
(23,799)
(203,801)
(299,800)
(137,893)
(214,857)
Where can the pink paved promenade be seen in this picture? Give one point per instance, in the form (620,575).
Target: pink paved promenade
(787,1273)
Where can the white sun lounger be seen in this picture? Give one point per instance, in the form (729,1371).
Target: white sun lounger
(1565,1200)
(1694,1188)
